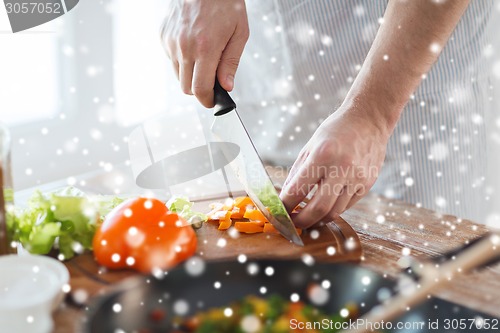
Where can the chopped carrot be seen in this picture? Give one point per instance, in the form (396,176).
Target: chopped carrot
(237,213)
(243,202)
(228,204)
(254,215)
(269,228)
(249,227)
(240,206)
(225,223)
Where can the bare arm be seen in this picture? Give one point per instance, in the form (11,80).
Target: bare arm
(407,44)
(351,143)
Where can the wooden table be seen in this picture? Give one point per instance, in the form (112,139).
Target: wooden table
(384,227)
(420,231)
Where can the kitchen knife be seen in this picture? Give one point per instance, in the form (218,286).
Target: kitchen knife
(228,128)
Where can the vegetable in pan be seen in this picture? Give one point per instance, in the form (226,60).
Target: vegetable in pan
(260,315)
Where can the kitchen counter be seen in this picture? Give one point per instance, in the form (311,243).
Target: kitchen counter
(387,229)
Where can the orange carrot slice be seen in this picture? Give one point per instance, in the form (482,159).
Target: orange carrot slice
(243,202)
(249,227)
(225,222)
(269,228)
(254,215)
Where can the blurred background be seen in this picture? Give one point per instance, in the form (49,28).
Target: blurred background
(73,89)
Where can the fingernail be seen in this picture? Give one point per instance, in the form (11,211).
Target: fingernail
(230,81)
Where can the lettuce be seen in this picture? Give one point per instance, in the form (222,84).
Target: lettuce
(65,219)
(183,207)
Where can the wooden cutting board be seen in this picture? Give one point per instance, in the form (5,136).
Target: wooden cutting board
(334,241)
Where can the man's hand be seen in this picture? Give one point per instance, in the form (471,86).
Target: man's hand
(342,159)
(203,39)
(344,155)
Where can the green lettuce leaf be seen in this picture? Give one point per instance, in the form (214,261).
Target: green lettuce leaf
(65,219)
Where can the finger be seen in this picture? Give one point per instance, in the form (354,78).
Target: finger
(341,203)
(360,193)
(295,167)
(301,184)
(230,60)
(321,204)
(203,81)
(175,66)
(186,76)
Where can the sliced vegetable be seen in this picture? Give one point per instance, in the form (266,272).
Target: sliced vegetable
(225,223)
(249,227)
(64,219)
(255,215)
(142,234)
(250,219)
(183,207)
(269,228)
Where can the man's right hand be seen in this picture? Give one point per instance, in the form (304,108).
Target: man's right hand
(204,39)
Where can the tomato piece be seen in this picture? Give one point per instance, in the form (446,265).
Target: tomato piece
(142,234)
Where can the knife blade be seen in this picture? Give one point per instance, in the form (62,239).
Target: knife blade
(227,127)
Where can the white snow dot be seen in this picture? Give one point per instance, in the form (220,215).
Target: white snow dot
(263,290)
(148,204)
(127,212)
(440,202)
(308,259)
(117,307)
(294,297)
(314,234)
(269,271)
(344,313)
(221,242)
(30,319)
(195,266)
(217,285)
(181,307)
(115,257)
(250,324)
(380,219)
(228,312)
(439,151)
(331,250)
(28,172)
(405,251)
(253,269)
(326,284)
(385,57)
(242,258)
(365,280)
(130,261)
(66,288)
(435,48)
(409,181)
(318,295)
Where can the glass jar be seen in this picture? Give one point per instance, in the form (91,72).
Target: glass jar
(6,190)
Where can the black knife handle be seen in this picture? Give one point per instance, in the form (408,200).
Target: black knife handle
(223,102)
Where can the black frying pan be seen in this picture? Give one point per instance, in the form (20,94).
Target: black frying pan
(141,299)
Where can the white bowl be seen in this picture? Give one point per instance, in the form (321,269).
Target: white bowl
(30,289)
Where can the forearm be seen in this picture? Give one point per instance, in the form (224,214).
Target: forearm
(407,44)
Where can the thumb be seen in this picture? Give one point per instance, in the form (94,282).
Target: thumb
(230,60)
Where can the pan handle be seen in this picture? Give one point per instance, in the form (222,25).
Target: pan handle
(223,102)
